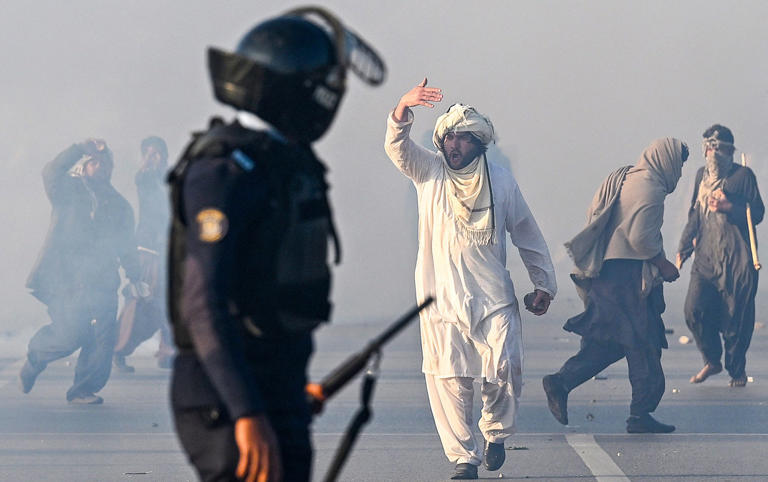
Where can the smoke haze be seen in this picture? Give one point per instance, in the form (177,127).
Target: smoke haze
(574,89)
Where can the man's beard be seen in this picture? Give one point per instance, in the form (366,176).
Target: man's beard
(457,160)
(718,164)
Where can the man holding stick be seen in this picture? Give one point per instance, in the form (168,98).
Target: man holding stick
(721,294)
(473,330)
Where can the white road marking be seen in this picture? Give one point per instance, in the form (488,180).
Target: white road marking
(596,459)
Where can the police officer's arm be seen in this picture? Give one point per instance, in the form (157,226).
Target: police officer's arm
(216,212)
(218,208)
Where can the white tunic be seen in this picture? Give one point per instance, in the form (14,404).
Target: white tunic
(470,282)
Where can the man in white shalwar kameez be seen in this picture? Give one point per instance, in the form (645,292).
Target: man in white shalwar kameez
(473,330)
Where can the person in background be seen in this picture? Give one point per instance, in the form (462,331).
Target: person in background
(620,266)
(721,293)
(141,317)
(76,275)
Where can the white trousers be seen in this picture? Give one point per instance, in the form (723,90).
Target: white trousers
(451,403)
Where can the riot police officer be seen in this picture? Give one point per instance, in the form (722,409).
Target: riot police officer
(251,227)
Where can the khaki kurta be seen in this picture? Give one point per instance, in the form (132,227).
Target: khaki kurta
(470,282)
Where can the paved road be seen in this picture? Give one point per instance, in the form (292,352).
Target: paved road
(722,433)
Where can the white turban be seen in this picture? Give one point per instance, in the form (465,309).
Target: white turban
(469,189)
(463,118)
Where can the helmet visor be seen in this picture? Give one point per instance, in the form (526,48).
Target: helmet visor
(353,52)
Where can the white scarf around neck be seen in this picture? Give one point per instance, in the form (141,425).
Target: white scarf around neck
(470,199)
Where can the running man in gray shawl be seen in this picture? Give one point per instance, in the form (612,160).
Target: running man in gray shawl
(620,267)
(721,295)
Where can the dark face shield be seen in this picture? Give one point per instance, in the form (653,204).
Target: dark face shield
(291,71)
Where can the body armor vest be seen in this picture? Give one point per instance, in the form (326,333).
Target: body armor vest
(283,281)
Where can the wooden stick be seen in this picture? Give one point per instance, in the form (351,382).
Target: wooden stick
(752,241)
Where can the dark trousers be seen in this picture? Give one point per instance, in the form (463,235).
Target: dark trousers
(645,373)
(208,438)
(278,366)
(89,326)
(141,318)
(707,316)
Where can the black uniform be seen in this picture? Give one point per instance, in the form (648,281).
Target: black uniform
(248,283)
(76,275)
(721,295)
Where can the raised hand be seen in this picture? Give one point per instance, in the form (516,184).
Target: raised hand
(419,95)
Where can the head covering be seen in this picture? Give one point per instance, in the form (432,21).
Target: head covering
(463,118)
(626,214)
(157,142)
(663,159)
(470,198)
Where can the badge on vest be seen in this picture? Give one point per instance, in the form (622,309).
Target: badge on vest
(212,225)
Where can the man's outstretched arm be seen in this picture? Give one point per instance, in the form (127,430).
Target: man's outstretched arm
(419,95)
(413,160)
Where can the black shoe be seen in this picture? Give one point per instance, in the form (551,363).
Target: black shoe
(120,366)
(27,376)
(557,397)
(464,472)
(647,424)
(494,455)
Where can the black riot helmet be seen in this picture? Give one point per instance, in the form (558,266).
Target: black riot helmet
(291,71)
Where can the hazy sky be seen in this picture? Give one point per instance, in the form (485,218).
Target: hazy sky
(575,89)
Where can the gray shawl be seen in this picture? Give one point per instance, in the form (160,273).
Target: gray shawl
(625,217)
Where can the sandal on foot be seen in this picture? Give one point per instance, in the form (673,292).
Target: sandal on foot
(738,382)
(706,372)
